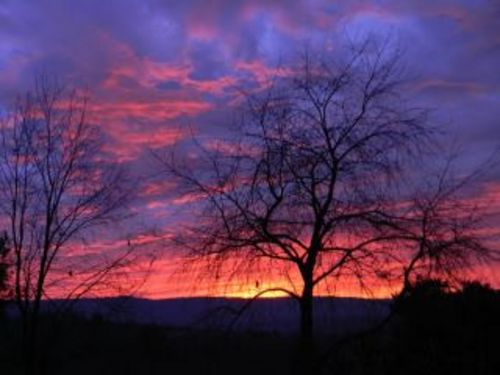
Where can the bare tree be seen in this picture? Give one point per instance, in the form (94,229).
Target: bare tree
(439,228)
(311,184)
(55,186)
(432,233)
(304,185)
(4,271)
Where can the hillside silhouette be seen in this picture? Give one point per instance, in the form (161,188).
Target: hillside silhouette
(431,329)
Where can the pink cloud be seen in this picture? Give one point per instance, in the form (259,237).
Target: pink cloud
(154,110)
(452,87)
(157,188)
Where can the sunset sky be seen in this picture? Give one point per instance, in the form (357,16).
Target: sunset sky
(159,70)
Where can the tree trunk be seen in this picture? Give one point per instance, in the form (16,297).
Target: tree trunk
(306,318)
(30,342)
(304,360)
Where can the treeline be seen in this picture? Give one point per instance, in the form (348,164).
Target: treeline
(433,330)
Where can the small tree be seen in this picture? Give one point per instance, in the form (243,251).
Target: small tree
(5,291)
(55,186)
(438,229)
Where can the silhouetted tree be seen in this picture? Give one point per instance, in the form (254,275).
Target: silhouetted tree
(5,291)
(439,227)
(305,184)
(432,238)
(444,329)
(55,186)
(311,184)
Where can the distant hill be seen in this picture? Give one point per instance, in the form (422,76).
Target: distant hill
(332,315)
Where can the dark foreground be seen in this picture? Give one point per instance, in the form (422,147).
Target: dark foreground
(429,332)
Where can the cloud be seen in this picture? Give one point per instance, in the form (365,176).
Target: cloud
(158,70)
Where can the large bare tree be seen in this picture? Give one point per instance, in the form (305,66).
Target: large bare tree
(312,181)
(55,186)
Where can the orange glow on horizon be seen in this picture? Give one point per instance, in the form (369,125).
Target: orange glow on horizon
(160,286)
(172,276)
(169,280)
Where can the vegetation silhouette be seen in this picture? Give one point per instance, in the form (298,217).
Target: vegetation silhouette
(54,188)
(435,330)
(5,290)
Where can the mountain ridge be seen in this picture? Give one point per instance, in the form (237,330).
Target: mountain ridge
(279,315)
